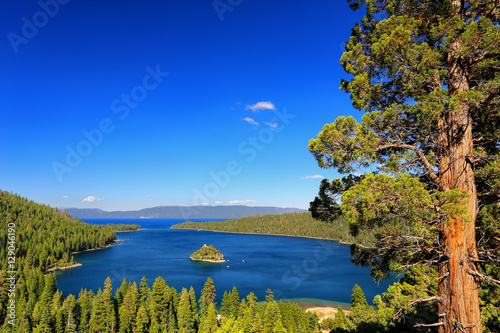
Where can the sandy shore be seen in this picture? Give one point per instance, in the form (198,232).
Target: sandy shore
(57,268)
(325,312)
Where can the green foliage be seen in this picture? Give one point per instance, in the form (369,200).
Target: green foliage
(426,76)
(39,230)
(293,224)
(325,206)
(398,308)
(207,253)
(207,297)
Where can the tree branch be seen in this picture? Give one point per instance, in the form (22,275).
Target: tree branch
(429,325)
(429,299)
(422,157)
(483,277)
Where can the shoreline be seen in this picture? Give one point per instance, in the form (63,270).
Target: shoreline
(59,268)
(209,260)
(77,264)
(324,312)
(116,240)
(263,234)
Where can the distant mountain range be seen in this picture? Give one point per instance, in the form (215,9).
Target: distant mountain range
(181,212)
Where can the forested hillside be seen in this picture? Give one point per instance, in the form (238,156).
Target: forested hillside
(42,237)
(293,224)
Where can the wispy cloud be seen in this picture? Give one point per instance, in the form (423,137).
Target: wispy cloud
(251,121)
(240,201)
(91,198)
(313,177)
(261,106)
(64,196)
(273,125)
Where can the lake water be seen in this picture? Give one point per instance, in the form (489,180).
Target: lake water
(310,271)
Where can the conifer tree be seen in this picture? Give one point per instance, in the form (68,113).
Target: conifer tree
(426,74)
(158,306)
(121,292)
(340,322)
(272,316)
(144,290)
(225,308)
(142,320)
(184,313)
(235,302)
(109,304)
(209,323)
(70,324)
(207,297)
(98,316)
(192,301)
(257,326)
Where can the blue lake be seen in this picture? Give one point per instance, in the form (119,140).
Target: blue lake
(309,271)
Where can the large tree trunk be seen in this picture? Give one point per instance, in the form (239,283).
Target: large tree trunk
(457,286)
(459,308)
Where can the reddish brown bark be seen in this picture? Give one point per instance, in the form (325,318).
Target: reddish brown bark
(459,308)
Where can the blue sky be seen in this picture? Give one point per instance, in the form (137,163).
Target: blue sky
(123,105)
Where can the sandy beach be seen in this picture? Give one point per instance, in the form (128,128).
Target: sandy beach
(325,312)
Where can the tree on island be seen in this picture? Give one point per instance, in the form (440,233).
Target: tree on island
(427,76)
(207,253)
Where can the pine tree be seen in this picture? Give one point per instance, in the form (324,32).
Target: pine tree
(425,73)
(85,304)
(144,290)
(225,308)
(184,313)
(361,313)
(209,323)
(257,326)
(109,304)
(207,297)
(70,324)
(358,297)
(98,318)
(49,288)
(121,292)
(192,301)
(235,303)
(340,322)
(272,316)
(158,305)
(142,320)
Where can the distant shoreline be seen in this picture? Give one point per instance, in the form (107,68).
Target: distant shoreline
(264,234)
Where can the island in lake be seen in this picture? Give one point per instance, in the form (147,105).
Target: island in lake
(207,253)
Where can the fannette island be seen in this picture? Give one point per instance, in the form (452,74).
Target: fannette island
(208,253)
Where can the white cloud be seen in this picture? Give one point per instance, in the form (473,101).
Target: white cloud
(313,177)
(91,198)
(273,125)
(64,196)
(240,201)
(251,121)
(261,106)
